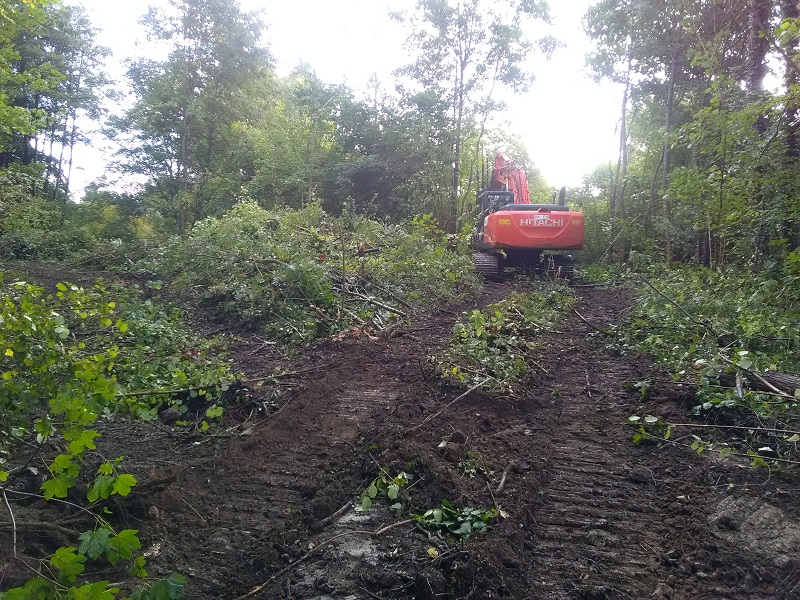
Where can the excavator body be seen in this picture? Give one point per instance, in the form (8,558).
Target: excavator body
(512,232)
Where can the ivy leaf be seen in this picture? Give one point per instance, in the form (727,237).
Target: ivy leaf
(123,484)
(68,562)
(121,325)
(58,486)
(94,543)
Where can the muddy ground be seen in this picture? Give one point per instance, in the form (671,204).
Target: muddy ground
(263,508)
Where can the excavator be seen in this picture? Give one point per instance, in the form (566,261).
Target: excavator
(512,232)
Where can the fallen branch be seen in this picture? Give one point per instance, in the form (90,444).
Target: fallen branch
(39,526)
(705,325)
(742,427)
(436,414)
(774,389)
(281,573)
(378,304)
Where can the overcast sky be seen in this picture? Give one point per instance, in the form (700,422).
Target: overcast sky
(567,122)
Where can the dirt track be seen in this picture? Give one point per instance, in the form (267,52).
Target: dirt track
(588,514)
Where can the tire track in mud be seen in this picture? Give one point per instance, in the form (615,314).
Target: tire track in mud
(590,515)
(605,525)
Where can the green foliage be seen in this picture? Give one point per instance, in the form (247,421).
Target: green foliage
(494,343)
(719,331)
(461,522)
(384,485)
(717,320)
(649,429)
(470,466)
(299,274)
(68,358)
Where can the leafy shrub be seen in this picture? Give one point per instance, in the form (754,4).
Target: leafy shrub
(303,274)
(65,360)
(701,322)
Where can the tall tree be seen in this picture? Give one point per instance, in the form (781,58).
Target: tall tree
(466,52)
(181,132)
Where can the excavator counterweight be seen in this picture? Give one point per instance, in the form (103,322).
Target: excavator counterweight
(512,232)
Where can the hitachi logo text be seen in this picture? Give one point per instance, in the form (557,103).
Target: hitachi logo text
(541,221)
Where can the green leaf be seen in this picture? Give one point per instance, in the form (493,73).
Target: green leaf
(393,491)
(94,543)
(33,589)
(125,542)
(68,562)
(171,588)
(366,502)
(58,486)
(214,411)
(83,441)
(137,567)
(725,452)
(794,438)
(123,484)
(94,591)
(102,487)
(122,325)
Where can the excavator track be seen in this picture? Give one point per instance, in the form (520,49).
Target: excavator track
(488,265)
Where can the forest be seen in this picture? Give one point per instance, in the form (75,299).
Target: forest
(254,359)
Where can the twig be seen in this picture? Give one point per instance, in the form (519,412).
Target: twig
(436,414)
(194,510)
(39,526)
(378,304)
(595,327)
(13,522)
(385,291)
(778,391)
(675,304)
(336,515)
(742,427)
(506,471)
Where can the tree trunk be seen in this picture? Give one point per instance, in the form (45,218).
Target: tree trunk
(617,203)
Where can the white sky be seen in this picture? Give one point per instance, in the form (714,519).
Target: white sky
(567,122)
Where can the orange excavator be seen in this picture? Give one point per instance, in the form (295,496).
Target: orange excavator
(512,232)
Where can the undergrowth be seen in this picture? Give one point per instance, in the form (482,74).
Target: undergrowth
(303,274)
(494,344)
(721,333)
(68,360)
